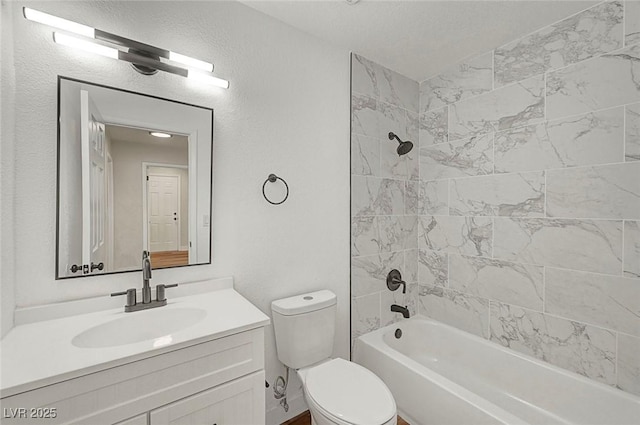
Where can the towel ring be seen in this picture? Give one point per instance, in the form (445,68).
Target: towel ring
(272,178)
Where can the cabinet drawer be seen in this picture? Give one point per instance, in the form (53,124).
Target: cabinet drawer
(122,392)
(240,402)
(138,420)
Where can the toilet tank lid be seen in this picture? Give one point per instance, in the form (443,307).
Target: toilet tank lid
(304,303)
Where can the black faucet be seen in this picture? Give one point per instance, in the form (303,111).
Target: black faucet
(399,309)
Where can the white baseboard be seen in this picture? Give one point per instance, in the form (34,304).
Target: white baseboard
(277,415)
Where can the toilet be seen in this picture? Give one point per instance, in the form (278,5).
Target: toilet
(337,391)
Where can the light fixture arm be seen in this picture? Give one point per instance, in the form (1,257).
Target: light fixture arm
(131,44)
(137,59)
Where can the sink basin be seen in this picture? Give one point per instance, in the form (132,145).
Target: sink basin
(159,323)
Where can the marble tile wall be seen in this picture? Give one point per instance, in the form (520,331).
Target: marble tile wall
(386,194)
(528,198)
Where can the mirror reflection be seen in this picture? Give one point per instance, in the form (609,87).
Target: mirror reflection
(134,174)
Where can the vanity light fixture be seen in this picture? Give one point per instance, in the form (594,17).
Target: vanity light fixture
(145,58)
(160,134)
(87,46)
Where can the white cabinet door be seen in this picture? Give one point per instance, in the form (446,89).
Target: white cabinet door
(136,420)
(239,402)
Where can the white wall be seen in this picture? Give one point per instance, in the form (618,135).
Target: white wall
(287,112)
(127,193)
(7,169)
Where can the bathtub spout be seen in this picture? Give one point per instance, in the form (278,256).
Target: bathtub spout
(399,309)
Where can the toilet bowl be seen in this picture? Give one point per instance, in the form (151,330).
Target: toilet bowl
(338,392)
(344,393)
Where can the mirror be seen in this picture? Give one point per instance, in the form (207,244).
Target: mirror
(134,174)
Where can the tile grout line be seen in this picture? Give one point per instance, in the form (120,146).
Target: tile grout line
(493,237)
(546,118)
(544,121)
(544,289)
(522,218)
(617,354)
(624,24)
(489,321)
(493,69)
(535,123)
(448,284)
(493,159)
(509,173)
(624,133)
(546,267)
(544,212)
(622,253)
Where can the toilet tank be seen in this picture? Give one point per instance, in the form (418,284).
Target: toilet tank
(304,326)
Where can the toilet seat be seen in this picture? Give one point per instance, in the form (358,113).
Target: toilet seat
(346,392)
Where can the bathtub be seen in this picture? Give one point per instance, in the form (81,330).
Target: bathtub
(441,375)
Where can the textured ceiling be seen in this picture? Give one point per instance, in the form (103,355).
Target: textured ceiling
(135,135)
(418,38)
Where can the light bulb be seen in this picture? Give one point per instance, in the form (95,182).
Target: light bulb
(208,78)
(54,21)
(88,46)
(191,62)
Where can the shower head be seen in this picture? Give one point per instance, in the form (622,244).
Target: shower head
(403,147)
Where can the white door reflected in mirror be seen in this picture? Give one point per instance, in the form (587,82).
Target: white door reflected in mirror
(95,244)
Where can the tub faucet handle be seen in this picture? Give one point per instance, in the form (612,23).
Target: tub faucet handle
(394,280)
(131,296)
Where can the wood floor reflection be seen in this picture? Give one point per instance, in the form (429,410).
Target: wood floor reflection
(169,259)
(305,419)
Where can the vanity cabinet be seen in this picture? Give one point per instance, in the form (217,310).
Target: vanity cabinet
(235,403)
(219,382)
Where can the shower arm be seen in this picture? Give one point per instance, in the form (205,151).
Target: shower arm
(392,136)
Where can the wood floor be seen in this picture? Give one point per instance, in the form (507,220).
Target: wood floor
(305,419)
(169,259)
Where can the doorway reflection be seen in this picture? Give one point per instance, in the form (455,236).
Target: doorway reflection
(150,197)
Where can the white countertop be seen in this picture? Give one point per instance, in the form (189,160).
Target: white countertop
(41,353)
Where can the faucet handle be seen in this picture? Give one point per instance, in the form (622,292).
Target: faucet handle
(131,296)
(160,291)
(394,280)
